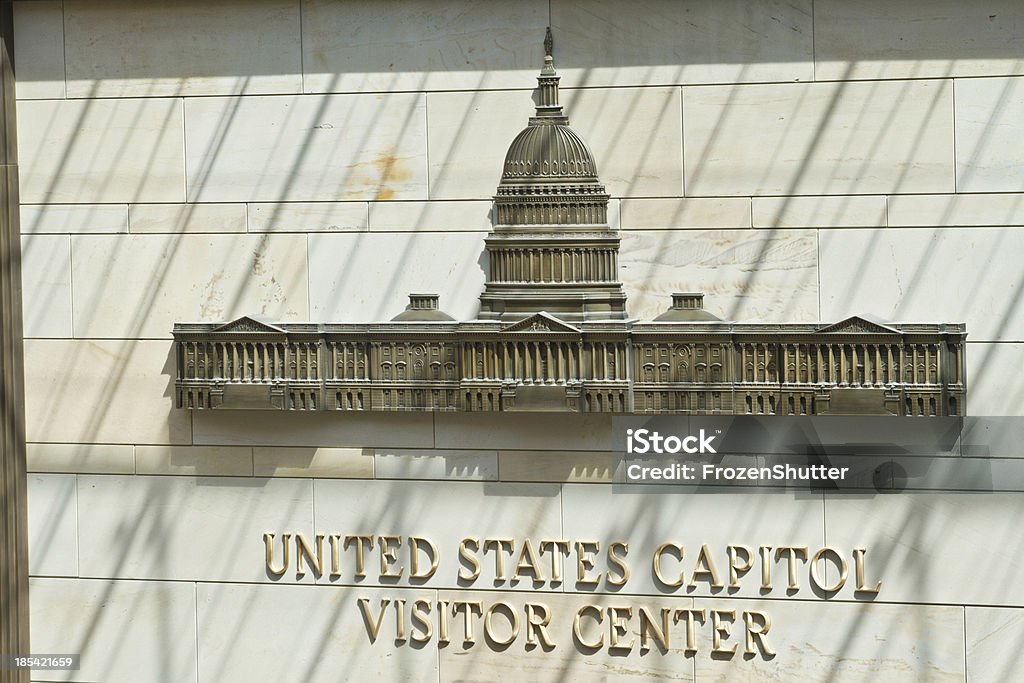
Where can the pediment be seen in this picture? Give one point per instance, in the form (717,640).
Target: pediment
(249,324)
(858,324)
(540,322)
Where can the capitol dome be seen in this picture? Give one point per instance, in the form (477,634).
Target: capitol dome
(549,151)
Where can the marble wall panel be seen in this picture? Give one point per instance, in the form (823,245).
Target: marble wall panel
(744,274)
(994,387)
(306,148)
(989,142)
(52,525)
(947,275)
(187,218)
(513,431)
(444,513)
(558,466)
(819,212)
(279,428)
(308,217)
(317,634)
(119,48)
(72,218)
(949,548)
(186,528)
(124,630)
(100,151)
(819,641)
(664,42)
(955,210)
(368,277)
(718,212)
(634,134)
(39,44)
(993,637)
(343,463)
(916,39)
(80,458)
(647,516)
(139,286)
(430,216)
(401,463)
(567,660)
(46,282)
(421,45)
(224,461)
(819,138)
(102,391)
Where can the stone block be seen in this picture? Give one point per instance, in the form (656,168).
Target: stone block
(201,461)
(993,388)
(819,212)
(72,218)
(989,143)
(185,528)
(187,218)
(302,633)
(404,463)
(956,210)
(39,44)
(46,282)
(340,463)
(663,42)
(916,39)
(718,212)
(80,458)
(945,548)
(529,431)
(948,275)
(744,274)
(306,148)
(368,277)
(819,138)
(190,48)
(52,525)
(557,466)
(421,45)
(101,151)
(124,630)
(140,285)
(437,216)
(352,430)
(102,391)
(308,217)
(993,638)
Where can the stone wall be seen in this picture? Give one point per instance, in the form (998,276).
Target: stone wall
(320,160)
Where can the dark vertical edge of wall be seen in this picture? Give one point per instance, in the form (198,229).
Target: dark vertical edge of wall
(14,626)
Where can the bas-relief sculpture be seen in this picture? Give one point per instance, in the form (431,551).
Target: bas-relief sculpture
(553,332)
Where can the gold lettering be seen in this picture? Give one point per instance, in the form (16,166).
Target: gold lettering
(499,544)
(577,630)
(705,566)
(399,620)
(528,562)
(648,626)
(371,624)
(759,634)
(619,562)
(656,561)
(513,618)
(414,558)
(442,622)
(360,542)
(618,626)
(389,546)
(469,632)
(791,552)
(736,568)
(422,629)
(557,548)
(538,616)
(303,549)
(268,540)
(691,632)
(585,561)
(765,551)
(466,556)
(720,627)
(858,562)
(843,570)
(334,540)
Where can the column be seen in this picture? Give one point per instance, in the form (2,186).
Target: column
(785,363)
(832,364)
